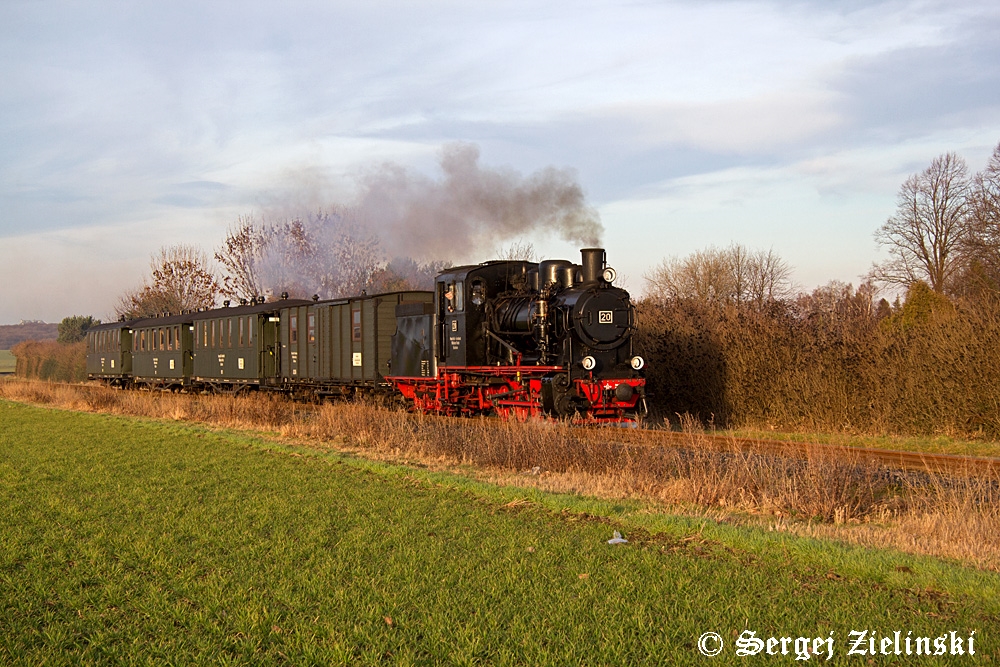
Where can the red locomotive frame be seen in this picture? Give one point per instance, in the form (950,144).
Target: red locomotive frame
(514,391)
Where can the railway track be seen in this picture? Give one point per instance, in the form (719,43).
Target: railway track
(952,464)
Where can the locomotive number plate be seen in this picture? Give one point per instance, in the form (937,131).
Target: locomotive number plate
(605,317)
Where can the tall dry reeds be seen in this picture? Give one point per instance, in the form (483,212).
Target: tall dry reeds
(820,494)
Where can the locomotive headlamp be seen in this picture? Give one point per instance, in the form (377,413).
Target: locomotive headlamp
(589,363)
(638,362)
(609,275)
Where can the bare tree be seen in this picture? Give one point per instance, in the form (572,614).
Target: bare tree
(838,301)
(344,257)
(405,273)
(730,275)
(518,250)
(983,241)
(240,256)
(926,235)
(286,259)
(759,276)
(327,253)
(181,280)
(704,275)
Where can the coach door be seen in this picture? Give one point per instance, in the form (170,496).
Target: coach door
(267,346)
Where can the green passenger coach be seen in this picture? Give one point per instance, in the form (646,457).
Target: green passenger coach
(161,351)
(109,353)
(340,346)
(235,347)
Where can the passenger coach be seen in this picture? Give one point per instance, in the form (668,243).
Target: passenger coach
(109,353)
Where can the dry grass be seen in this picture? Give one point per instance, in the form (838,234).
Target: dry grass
(821,495)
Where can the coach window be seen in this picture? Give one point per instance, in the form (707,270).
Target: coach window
(356,322)
(170,338)
(249,331)
(311,331)
(177,337)
(242,336)
(293,329)
(213,335)
(229,337)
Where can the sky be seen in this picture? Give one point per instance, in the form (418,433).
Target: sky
(127,126)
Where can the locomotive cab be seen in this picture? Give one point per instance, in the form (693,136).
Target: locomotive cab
(463,300)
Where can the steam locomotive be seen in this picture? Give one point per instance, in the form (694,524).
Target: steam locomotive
(514,338)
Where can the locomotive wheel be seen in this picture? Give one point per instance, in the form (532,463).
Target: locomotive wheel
(561,396)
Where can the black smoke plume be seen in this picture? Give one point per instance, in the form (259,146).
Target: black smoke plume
(472,208)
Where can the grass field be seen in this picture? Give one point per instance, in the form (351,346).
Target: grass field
(125,540)
(8,363)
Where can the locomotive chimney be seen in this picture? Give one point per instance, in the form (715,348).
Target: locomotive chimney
(593,264)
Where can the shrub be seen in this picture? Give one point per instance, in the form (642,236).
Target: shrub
(49,360)
(927,368)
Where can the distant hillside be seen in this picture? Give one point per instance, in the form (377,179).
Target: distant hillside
(12,334)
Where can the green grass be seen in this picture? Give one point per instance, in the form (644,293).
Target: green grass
(126,541)
(8,362)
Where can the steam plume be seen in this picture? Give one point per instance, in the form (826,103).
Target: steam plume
(473,207)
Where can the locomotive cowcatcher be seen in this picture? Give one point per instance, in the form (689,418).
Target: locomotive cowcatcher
(522,339)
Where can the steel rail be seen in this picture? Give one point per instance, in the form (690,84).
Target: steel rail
(954,464)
